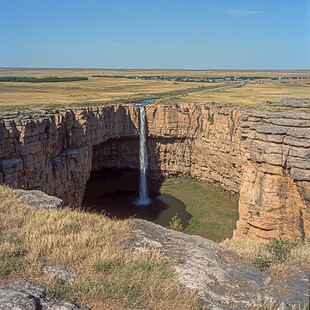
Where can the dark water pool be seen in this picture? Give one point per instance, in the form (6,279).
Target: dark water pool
(114,192)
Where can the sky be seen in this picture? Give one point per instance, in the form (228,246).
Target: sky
(155,34)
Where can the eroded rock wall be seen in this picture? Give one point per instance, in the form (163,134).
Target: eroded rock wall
(53,152)
(204,142)
(185,140)
(263,156)
(275,191)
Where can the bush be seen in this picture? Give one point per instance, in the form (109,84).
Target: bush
(279,248)
(277,251)
(262,262)
(175,223)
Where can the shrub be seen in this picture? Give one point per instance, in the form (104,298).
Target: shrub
(277,249)
(175,223)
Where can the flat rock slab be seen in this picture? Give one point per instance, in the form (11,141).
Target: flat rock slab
(214,273)
(294,289)
(24,295)
(38,199)
(60,272)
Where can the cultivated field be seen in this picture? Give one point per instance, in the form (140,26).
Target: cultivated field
(250,95)
(101,90)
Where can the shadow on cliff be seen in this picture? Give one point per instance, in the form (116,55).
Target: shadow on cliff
(113,185)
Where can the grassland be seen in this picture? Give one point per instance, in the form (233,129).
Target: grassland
(109,276)
(214,211)
(250,95)
(96,91)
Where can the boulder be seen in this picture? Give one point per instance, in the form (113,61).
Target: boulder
(38,199)
(24,295)
(212,272)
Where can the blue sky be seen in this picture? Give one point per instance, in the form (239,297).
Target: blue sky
(172,34)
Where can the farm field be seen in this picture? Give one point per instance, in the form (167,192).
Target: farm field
(248,96)
(113,86)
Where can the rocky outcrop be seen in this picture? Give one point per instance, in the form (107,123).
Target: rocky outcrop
(24,295)
(212,272)
(60,273)
(37,199)
(53,152)
(275,191)
(215,274)
(264,156)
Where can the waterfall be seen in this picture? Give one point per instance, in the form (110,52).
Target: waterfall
(143,192)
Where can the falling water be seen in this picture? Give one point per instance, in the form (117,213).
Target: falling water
(143,192)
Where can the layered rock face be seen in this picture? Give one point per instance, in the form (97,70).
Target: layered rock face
(263,156)
(275,191)
(187,140)
(53,152)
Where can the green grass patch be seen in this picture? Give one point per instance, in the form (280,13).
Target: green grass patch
(126,283)
(49,79)
(214,211)
(8,264)
(276,252)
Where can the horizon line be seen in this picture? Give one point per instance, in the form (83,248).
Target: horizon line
(146,69)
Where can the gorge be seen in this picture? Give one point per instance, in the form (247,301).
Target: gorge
(264,156)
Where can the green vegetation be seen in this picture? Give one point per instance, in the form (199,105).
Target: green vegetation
(117,281)
(276,252)
(8,263)
(214,211)
(279,256)
(49,79)
(175,223)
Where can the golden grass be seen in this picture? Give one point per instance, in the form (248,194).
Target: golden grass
(251,94)
(94,246)
(296,259)
(97,91)
(247,249)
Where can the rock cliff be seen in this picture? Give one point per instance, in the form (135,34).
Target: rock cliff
(264,156)
(275,190)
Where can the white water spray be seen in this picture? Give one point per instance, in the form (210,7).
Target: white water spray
(143,192)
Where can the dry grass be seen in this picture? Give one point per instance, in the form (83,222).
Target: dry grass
(251,94)
(247,249)
(93,245)
(95,91)
(280,257)
(98,91)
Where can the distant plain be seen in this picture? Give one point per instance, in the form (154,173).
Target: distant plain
(102,90)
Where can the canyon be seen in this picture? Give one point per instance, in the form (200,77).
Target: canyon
(263,156)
